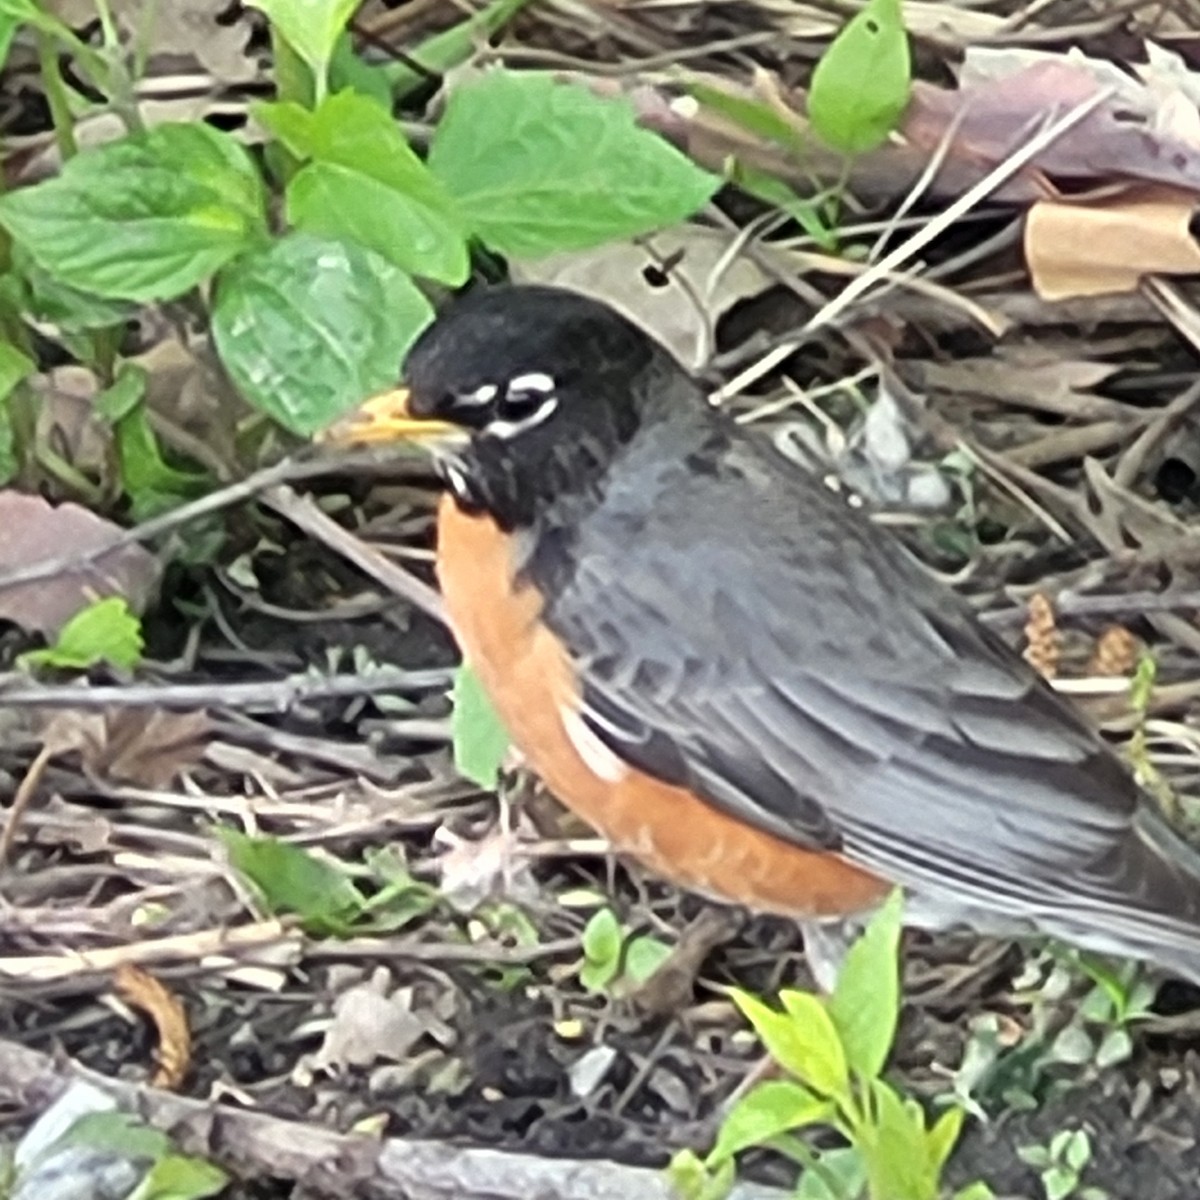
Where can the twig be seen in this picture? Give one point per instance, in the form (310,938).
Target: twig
(304,514)
(891,263)
(81,965)
(25,791)
(226,497)
(329,1163)
(275,695)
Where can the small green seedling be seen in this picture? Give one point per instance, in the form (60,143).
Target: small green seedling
(322,891)
(614,961)
(104,631)
(834,1052)
(861,85)
(1061,1164)
(479,738)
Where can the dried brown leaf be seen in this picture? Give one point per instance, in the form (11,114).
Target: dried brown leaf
(1116,652)
(372,1023)
(987,120)
(142,991)
(145,747)
(1105,245)
(679,305)
(33,530)
(1043,642)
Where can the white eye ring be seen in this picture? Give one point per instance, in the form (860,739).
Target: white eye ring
(484,394)
(537,382)
(510,428)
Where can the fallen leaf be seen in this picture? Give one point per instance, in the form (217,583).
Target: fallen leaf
(472,870)
(141,990)
(1103,246)
(1116,652)
(145,747)
(1044,642)
(1014,374)
(373,1023)
(32,530)
(986,119)
(676,303)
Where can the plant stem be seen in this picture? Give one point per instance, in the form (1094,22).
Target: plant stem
(57,96)
(294,80)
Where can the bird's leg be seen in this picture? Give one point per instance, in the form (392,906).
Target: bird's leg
(825,946)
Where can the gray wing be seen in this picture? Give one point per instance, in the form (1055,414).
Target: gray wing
(744,633)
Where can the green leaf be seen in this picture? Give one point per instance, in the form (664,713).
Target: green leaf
(691,1180)
(307,327)
(117,1132)
(975,1191)
(366,184)
(896,1150)
(348,70)
(311,27)
(1072,1045)
(480,740)
(754,115)
(147,478)
(1078,1149)
(808,214)
(643,956)
(104,631)
(943,1137)
(601,945)
(144,218)
(539,166)
(861,85)
(1115,1047)
(335,201)
(865,1004)
(1059,1182)
(803,1040)
(47,299)
(15,365)
(844,1167)
(291,880)
(763,1113)
(178,1177)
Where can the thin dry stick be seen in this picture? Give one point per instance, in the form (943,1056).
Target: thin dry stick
(21,801)
(226,497)
(906,250)
(347,1164)
(891,263)
(269,695)
(302,512)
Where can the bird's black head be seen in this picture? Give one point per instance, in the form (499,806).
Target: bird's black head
(536,389)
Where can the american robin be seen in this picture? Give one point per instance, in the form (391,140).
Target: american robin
(737,678)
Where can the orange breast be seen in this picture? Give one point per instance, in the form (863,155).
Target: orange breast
(528,675)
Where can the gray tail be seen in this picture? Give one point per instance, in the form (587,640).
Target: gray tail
(1143,900)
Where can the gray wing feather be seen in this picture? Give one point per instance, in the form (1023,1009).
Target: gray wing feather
(749,636)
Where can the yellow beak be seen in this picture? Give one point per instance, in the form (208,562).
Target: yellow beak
(383,418)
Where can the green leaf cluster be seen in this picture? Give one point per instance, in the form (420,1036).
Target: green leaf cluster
(834,1050)
(614,959)
(322,892)
(105,631)
(310,319)
(169,1175)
